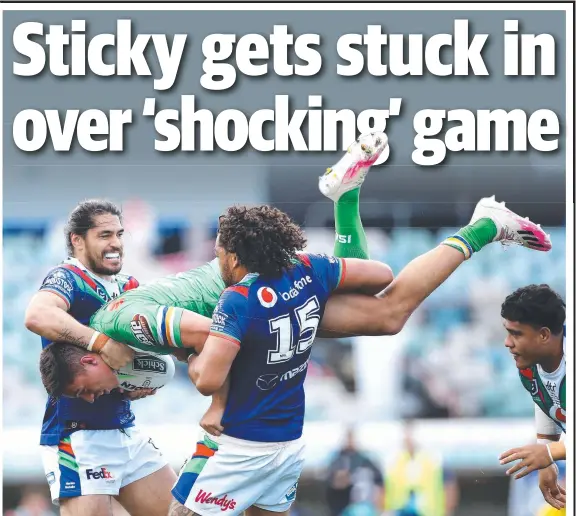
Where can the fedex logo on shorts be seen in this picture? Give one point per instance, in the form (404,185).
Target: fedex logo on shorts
(224,503)
(103,473)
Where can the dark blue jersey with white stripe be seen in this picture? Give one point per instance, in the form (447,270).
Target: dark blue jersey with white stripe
(84,294)
(274,321)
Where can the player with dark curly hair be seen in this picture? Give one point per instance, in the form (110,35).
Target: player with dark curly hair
(256,335)
(173,313)
(261,337)
(264,239)
(265,324)
(534,317)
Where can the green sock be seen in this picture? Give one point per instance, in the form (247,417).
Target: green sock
(473,237)
(350,236)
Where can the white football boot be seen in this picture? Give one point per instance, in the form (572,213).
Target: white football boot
(511,228)
(350,171)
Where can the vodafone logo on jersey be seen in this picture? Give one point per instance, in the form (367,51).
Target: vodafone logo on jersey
(267,297)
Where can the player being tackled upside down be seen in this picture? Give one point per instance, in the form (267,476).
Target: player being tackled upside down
(342,295)
(261,340)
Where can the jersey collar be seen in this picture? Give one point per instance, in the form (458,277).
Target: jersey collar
(74,261)
(249,276)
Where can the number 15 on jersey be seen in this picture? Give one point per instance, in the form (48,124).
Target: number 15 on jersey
(308,318)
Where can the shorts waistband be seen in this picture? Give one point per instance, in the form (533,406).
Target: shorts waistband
(259,445)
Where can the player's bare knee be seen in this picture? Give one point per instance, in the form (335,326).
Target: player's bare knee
(394,326)
(390,319)
(396,320)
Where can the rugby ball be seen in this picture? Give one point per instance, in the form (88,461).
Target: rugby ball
(146,371)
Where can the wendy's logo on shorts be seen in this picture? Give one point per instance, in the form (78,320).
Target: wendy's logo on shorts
(223,502)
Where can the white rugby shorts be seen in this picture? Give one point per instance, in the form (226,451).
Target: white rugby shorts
(94,462)
(226,475)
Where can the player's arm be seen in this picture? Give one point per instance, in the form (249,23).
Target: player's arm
(364,276)
(211,421)
(47,315)
(209,370)
(363,279)
(548,433)
(353,284)
(356,314)
(541,455)
(194,330)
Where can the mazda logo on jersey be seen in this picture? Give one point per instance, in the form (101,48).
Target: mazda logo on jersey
(267,297)
(266,382)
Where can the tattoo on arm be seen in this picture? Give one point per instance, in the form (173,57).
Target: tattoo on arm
(177,509)
(66,335)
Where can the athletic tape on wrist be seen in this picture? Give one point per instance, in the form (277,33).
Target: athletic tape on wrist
(544,441)
(460,245)
(97,342)
(550,452)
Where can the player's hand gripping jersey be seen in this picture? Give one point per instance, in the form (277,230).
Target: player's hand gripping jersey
(84,293)
(148,318)
(274,321)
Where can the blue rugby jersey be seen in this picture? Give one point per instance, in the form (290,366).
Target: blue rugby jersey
(274,321)
(84,293)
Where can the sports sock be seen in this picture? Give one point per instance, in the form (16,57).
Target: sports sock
(350,236)
(472,238)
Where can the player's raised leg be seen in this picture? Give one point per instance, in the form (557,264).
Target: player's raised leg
(341,183)
(387,313)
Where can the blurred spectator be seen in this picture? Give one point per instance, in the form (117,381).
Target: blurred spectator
(34,502)
(416,484)
(354,484)
(139,221)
